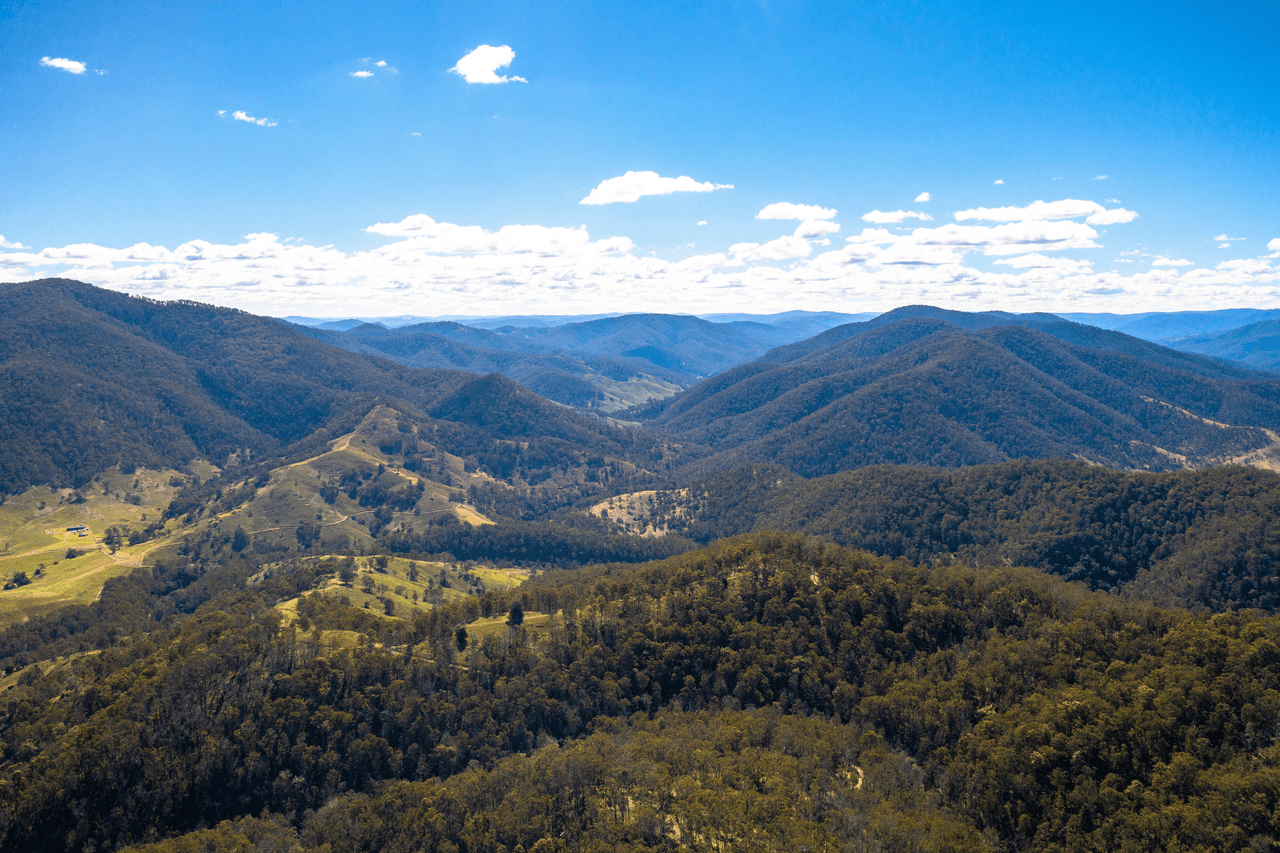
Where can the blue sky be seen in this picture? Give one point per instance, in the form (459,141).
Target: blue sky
(376,180)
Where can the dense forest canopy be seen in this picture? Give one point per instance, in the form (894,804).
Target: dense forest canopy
(684,702)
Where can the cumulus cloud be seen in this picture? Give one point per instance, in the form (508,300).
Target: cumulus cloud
(880,218)
(635,185)
(1100,177)
(427,235)
(999,181)
(481,65)
(922,197)
(361,73)
(1067,208)
(1162,261)
(241,115)
(1037,261)
(702,222)
(64,64)
(425,266)
(781,249)
(812,229)
(381,63)
(787,210)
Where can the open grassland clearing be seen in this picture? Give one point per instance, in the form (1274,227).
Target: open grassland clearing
(399,587)
(349,493)
(55,546)
(496,626)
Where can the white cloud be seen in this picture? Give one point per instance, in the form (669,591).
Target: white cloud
(427,235)
(424,266)
(481,65)
(1252,266)
(361,73)
(880,218)
(702,222)
(635,185)
(70,65)
(812,229)
(1162,261)
(1223,238)
(787,210)
(922,197)
(999,181)
(381,63)
(1112,200)
(1115,216)
(1067,208)
(8,245)
(1066,266)
(781,249)
(241,115)
(1100,177)
(1274,245)
(415,133)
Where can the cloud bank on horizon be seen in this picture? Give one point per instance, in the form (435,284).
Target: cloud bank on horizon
(432,267)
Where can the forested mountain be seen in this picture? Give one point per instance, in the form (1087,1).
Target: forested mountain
(607,363)
(90,378)
(304,646)
(1256,345)
(924,386)
(1167,326)
(768,692)
(582,380)
(1208,537)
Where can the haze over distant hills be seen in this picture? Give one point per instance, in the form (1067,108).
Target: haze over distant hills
(607,363)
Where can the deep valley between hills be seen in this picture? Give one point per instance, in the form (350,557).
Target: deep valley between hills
(929,580)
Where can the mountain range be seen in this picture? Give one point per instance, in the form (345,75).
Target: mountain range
(924,386)
(267,588)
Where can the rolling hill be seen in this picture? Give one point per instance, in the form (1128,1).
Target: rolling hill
(929,387)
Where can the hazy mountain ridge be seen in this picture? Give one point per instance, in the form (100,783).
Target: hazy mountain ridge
(1256,345)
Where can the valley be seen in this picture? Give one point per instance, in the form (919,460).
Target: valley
(925,580)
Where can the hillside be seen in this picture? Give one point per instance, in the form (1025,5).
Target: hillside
(1167,326)
(929,387)
(607,363)
(1256,345)
(90,378)
(1203,538)
(771,692)
(583,380)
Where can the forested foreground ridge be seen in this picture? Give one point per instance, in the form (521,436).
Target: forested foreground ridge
(1204,538)
(768,692)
